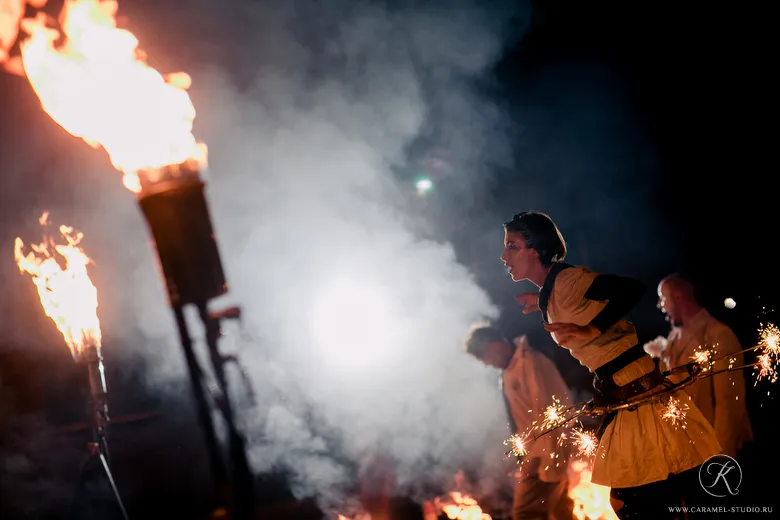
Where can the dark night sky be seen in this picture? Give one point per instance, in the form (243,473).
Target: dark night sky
(686,189)
(641,127)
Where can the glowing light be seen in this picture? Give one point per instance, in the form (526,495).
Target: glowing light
(459,506)
(591,501)
(423,185)
(729,303)
(517,443)
(704,358)
(585,441)
(554,415)
(92,80)
(675,413)
(769,339)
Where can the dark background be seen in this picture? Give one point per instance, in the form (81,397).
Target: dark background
(691,76)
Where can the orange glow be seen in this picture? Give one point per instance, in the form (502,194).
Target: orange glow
(97,87)
(591,501)
(459,506)
(67,294)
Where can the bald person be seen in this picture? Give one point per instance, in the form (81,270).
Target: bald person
(721,398)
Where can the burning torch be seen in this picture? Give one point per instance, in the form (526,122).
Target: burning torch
(173,201)
(69,298)
(92,80)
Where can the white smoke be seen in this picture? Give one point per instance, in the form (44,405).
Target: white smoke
(308,108)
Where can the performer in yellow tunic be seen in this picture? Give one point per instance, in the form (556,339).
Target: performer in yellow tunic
(647,460)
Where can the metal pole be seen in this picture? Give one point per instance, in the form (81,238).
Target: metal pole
(98,415)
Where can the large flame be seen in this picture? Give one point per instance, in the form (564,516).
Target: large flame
(67,294)
(91,79)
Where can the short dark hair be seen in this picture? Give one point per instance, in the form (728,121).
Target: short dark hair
(541,234)
(479,336)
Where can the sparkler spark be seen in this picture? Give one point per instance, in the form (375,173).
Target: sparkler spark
(704,358)
(769,339)
(518,445)
(769,343)
(704,362)
(766,368)
(585,442)
(67,294)
(554,415)
(675,413)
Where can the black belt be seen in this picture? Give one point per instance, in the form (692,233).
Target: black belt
(634,388)
(603,382)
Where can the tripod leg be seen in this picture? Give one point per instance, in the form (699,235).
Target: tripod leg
(111,482)
(243,478)
(217,462)
(96,494)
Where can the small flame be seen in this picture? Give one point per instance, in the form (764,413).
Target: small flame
(591,501)
(67,294)
(97,87)
(674,412)
(460,506)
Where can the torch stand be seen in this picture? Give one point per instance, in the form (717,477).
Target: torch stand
(95,469)
(174,205)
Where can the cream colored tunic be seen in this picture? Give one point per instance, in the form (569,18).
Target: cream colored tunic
(639,446)
(720,398)
(530,382)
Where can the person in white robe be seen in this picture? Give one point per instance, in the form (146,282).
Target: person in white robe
(720,398)
(641,455)
(529,382)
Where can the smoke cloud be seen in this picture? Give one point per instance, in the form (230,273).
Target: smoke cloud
(307,208)
(356,307)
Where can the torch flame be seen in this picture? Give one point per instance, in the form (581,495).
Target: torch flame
(96,86)
(67,294)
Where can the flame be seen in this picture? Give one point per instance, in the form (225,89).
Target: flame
(460,506)
(67,294)
(591,501)
(96,86)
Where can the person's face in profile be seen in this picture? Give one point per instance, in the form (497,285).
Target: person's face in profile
(517,257)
